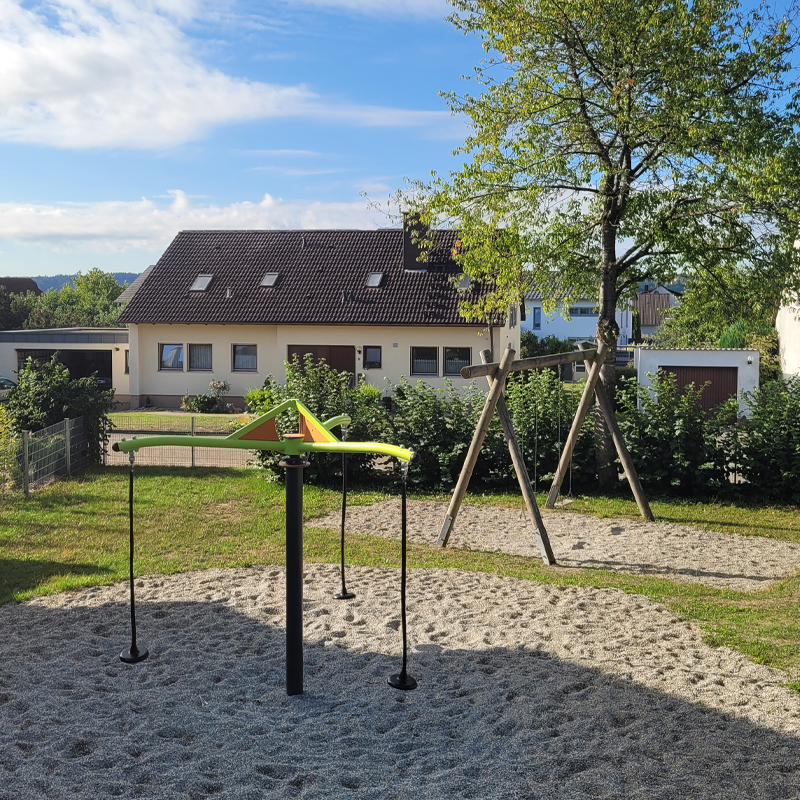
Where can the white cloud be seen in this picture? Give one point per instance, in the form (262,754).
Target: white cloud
(117,226)
(99,73)
(395,8)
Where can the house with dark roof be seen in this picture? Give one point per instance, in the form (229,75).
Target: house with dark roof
(235,305)
(20,285)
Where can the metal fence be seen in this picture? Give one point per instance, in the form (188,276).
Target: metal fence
(127,426)
(36,459)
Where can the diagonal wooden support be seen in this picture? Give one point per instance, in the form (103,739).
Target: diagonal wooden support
(622,449)
(577,423)
(475,447)
(518,460)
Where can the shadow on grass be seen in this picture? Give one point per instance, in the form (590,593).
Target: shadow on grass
(21,575)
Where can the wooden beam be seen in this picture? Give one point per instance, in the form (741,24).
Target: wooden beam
(622,450)
(536,362)
(577,422)
(475,447)
(518,461)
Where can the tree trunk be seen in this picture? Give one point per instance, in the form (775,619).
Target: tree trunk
(608,332)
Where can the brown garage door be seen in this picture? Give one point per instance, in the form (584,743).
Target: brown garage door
(723,382)
(339,357)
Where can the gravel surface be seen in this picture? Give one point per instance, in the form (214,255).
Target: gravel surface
(663,549)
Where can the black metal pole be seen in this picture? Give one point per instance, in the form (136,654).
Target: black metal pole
(344,594)
(134,653)
(402,680)
(294,573)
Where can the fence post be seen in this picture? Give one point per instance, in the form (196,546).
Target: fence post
(26,481)
(67,446)
(192,448)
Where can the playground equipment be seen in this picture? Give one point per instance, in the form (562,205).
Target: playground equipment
(496,373)
(313,436)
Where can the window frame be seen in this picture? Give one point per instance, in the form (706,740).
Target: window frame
(536,314)
(189,367)
(456,374)
(367,364)
(127,361)
(234,368)
(436,359)
(161,367)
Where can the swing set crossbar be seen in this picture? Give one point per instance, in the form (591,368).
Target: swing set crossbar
(535,362)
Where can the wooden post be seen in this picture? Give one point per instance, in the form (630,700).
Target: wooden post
(622,449)
(535,362)
(475,446)
(522,472)
(577,423)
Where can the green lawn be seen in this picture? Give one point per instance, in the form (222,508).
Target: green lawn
(75,533)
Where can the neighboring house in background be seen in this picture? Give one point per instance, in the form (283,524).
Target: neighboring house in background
(652,303)
(84,351)
(730,372)
(235,305)
(581,327)
(787,324)
(20,285)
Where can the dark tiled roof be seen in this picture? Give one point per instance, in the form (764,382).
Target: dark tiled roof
(20,285)
(323,276)
(131,290)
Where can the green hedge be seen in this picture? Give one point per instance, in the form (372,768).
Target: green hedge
(677,448)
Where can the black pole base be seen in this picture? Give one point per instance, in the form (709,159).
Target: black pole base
(401,680)
(133,655)
(344,595)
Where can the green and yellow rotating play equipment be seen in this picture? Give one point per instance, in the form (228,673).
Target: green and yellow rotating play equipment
(313,436)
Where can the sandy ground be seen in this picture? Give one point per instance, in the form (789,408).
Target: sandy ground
(525,690)
(661,549)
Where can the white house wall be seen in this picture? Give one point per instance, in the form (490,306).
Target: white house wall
(166,387)
(788,326)
(579,328)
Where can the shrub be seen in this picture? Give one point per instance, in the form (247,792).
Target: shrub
(45,394)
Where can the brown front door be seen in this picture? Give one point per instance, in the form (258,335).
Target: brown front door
(723,382)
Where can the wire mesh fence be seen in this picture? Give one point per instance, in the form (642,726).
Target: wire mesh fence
(35,459)
(127,426)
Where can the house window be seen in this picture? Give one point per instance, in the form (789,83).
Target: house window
(374,280)
(200,357)
(170,357)
(537,318)
(424,360)
(201,283)
(372,357)
(582,311)
(244,358)
(127,362)
(455,358)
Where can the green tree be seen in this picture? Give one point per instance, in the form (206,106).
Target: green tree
(616,142)
(46,394)
(89,303)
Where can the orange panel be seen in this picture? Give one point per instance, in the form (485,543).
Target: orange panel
(266,432)
(312,432)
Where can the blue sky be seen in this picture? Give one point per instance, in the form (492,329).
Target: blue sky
(123,122)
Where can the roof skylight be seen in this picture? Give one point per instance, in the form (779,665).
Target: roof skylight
(463,283)
(374,280)
(270,279)
(201,283)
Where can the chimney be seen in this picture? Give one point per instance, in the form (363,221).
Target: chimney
(411,249)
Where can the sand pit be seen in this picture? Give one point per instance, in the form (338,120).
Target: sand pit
(526,691)
(661,549)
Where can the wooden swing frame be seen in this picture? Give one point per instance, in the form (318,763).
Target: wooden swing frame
(496,374)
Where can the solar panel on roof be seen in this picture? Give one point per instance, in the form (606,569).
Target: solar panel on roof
(201,283)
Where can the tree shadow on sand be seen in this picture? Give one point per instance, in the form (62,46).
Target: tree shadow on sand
(207,715)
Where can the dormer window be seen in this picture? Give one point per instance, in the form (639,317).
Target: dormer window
(270,279)
(374,280)
(201,283)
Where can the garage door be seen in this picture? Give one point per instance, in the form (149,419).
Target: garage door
(723,382)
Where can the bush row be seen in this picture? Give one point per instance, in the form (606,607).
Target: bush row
(677,448)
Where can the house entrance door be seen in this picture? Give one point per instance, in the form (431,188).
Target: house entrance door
(337,356)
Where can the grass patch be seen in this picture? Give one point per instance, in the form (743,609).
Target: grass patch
(75,533)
